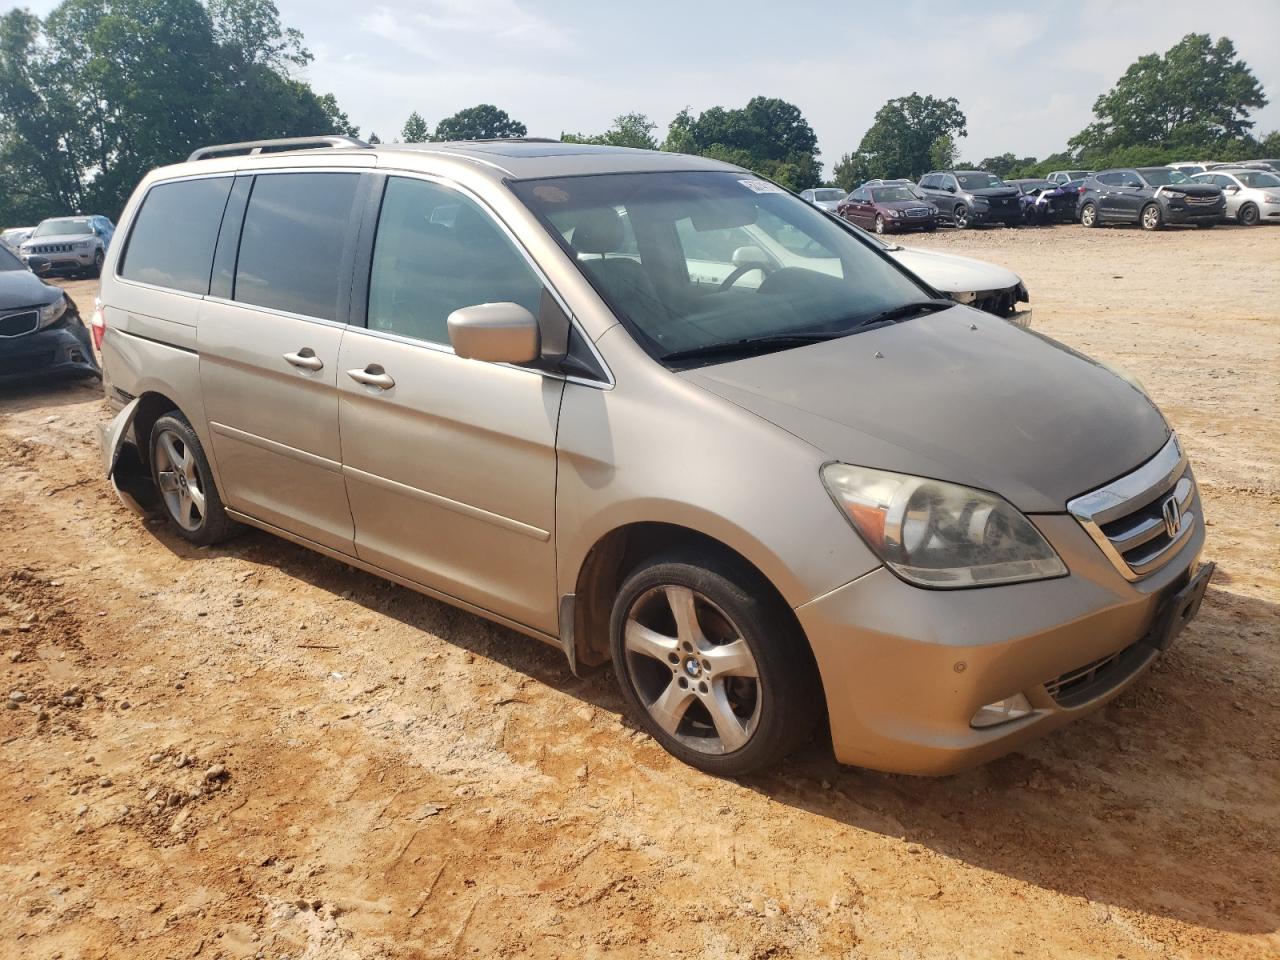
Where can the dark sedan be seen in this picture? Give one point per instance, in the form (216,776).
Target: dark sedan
(889,209)
(1150,196)
(41,332)
(1046,202)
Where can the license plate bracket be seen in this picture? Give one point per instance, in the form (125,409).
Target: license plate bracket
(1180,609)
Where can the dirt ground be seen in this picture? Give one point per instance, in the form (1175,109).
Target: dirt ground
(252,751)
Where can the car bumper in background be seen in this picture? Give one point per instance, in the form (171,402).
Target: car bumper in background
(47,264)
(64,349)
(905,670)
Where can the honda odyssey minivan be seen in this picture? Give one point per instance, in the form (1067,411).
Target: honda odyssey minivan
(656,410)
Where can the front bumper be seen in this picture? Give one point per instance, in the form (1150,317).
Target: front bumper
(988,214)
(64,349)
(49,264)
(903,224)
(905,669)
(1179,211)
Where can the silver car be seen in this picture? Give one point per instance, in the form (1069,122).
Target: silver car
(13,237)
(68,245)
(828,198)
(1253,196)
(657,412)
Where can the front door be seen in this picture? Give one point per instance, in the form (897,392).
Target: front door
(269,357)
(450,464)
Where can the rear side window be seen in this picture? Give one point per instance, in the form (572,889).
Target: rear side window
(435,252)
(295,229)
(171,244)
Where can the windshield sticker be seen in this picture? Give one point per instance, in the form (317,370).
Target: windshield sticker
(550,194)
(761,186)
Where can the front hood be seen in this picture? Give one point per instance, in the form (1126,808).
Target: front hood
(22,288)
(997,407)
(903,204)
(947,273)
(1191,189)
(69,238)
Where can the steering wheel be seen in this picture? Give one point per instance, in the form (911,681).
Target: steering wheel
(740,271)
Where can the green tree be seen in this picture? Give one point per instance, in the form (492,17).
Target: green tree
(628,130)
(911,134)
(850,172)
(768,135)
(481,122)
(1194,99)
(99,92)
(415,129)
(1007,165)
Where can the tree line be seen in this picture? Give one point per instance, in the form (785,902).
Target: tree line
(100,91)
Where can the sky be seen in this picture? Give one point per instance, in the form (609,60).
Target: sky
(1026,74)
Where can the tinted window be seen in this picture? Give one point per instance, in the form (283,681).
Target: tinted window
(1111,179)
(436,251)
(8,261)
(291,245)
(171,243)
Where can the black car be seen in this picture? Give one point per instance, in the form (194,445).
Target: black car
(1046,202)
(1150,196)
(967,198)
(40,329)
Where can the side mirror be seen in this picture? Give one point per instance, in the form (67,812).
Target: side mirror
(949,189)
(496,332)
(1231,189)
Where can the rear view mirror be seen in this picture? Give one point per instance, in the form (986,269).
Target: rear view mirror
(749,254)
(496,332)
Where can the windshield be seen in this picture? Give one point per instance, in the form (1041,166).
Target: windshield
(890,194)
(688,260)
(1256,178)
(828,194)
(1163,178)
(63,228)
(8,261)
(978,181)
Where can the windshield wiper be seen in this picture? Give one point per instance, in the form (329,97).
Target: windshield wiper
(906,310)
(750,345)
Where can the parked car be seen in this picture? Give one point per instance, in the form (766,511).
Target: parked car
(41,333)
(14,237)
(1044,201)
(70,245)
(1062,176)
(1189,169)
(1264,165)
(1150,196)
(889,208)
(968,198)
(1252,196)
(807,491)
(828,198)
(976,283)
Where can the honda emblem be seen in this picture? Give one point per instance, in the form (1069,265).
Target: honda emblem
(1172,517)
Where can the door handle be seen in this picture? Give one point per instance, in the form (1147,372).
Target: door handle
(306,359)
(372,376)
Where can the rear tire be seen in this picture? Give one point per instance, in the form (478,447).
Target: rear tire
(711,662)
(1151,218)
(1248,215)
(184,479)
(1089,215)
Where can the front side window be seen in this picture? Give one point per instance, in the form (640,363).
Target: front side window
(295,228)
(8,261)
(719,257)
(437,251)
(173,236)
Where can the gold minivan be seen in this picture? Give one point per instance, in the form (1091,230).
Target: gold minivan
(654,409)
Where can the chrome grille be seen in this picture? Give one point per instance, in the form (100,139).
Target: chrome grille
(51,248)
(918,211)
(1140,520)
(19,324)
(1196,198)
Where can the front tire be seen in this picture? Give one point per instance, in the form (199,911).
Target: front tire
(879,223)
(961,216)
(712,663)
(184,478)
(1089,215)
(1248,215)
(1151,218)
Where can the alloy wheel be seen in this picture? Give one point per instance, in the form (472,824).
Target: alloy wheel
(962,217)
(1089,215)
(1249,215)
(179,480)
(1151,217)
(693,670)
(879,223)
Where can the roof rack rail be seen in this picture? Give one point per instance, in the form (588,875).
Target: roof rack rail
(255,147)
(507,140)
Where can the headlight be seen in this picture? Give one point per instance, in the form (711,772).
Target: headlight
(1175,194)
(51,313)
(84,244)
(895,213)
(1268,198)
(937,534)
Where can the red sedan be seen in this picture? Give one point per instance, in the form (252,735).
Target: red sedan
(889,208)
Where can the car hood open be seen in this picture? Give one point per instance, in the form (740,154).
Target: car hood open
(948,273)
(960,396)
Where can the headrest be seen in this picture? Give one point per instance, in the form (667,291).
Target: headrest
(598,231)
